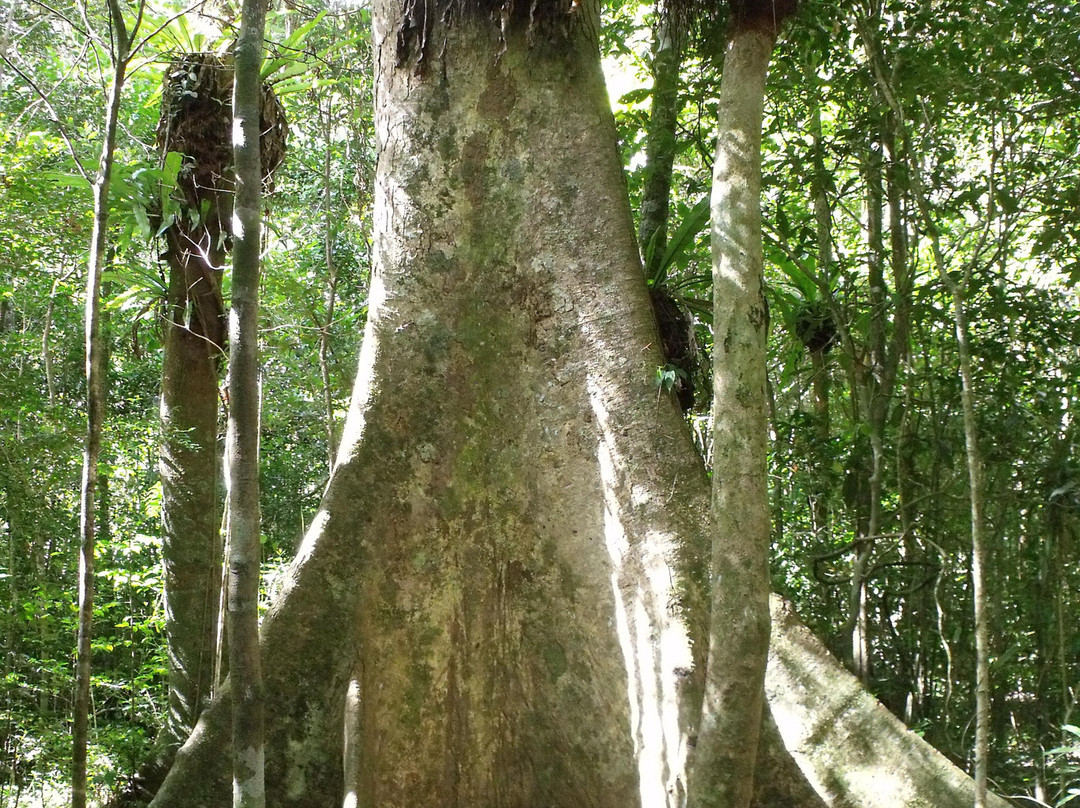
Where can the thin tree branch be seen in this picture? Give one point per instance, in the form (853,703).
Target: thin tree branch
(53,116)
(62,16)
(146,39)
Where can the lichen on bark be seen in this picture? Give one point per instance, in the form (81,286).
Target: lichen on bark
(498,577)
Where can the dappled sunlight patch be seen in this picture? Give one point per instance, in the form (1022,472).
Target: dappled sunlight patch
(366,382)
(311,537)
(655,647)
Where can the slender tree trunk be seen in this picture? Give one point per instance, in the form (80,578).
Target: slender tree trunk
(674,320)
(903,280)
(329,295)
(739,571)
(874,381)
(873,403)
(819,352)
(243,426)
(95,409)
(195,120)
(660,142)
(46,336)
(978,547)
(819,506)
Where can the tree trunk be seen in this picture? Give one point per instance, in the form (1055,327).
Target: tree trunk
(502,554)
(739,572)
(242,443)
(95,409)
(660,142)
(978,545)
(501,600)
(819,350)
(330,292)
(190,510)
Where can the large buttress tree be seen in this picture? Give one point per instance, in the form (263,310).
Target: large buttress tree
(494,597)
(503,600)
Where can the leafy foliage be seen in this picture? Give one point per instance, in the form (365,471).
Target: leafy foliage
(990,101)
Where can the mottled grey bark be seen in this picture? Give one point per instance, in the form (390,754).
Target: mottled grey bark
(739,573)
(851,748)
(498,582)
(242,442)
(978,543)
(778,780)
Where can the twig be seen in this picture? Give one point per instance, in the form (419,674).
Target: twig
(52,115)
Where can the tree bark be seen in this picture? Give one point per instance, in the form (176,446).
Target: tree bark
(819,350)
(190,509)
(850,747)
(329,293)
(242,443)
(95,408)
(660,142)
(978,545)
(778,780)
(501,600)
(739,572)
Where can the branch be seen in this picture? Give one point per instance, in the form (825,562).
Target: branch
(88,28)
(63,17)
(122,40)
(146,39)
(52,115)
(74,64)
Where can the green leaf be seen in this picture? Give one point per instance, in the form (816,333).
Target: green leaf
(1071,795)
(65,179)
(293,48)
(285,87)
(635,96)
(142,219)
(682,239)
